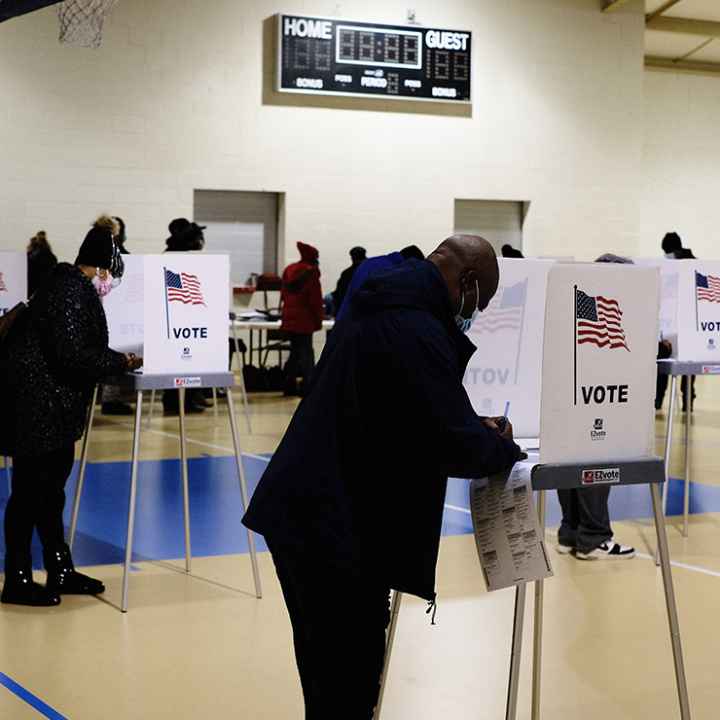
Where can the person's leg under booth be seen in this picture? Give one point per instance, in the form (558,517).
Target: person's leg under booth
(306,360)
(37,500)
(339,624)
(567,534)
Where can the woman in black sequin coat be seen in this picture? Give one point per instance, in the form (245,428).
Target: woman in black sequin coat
(55,354)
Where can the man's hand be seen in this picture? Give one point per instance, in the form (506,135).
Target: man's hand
(133,361)
(501,425)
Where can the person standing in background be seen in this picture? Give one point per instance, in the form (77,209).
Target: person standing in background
(302,315)
(185,236)
(372,266)
(673,249)
(508,251)
(121,237)
(41,261)
(52,358)
(358,255)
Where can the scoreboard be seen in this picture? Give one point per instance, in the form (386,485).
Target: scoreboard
(336,57)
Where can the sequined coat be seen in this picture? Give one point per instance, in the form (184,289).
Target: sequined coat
(52,361)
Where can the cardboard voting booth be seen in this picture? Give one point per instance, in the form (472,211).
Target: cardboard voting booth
(13,280)
(598,368)
(698,311)
(503,376)
(173,310)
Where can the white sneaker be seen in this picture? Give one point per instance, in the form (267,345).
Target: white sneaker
(609,550)
(564,549)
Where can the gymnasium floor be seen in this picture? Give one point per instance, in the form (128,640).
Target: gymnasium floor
(196,648)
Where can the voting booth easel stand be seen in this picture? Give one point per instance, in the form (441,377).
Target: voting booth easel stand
(566,476)
(140,384)
(676,369)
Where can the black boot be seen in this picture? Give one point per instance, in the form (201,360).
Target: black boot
(62,577)
(20,589)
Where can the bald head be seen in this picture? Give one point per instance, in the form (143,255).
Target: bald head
(469,267)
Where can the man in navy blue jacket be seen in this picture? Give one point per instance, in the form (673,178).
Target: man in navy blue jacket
(351,504)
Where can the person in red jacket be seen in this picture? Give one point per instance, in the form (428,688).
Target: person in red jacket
(302,315)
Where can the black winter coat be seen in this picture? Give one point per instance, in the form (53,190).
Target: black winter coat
(50,363)
(361,473)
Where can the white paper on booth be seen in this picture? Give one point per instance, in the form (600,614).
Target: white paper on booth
(503,376)
(13,280)
(599,363)
(509,541)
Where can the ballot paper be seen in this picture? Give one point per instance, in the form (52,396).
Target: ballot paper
(509,541)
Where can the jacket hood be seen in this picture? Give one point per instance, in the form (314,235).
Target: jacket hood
(414,284)
(307,252)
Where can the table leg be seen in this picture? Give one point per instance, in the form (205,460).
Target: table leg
(243,491)
(671,604)
(686,488)
(516,652)
(82,468)
(243,390)
(389,642)
(538,622)
(133,500)
(184,473)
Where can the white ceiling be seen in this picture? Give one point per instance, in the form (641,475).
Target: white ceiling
(680,47)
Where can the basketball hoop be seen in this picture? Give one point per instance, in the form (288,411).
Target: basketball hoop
(81,21)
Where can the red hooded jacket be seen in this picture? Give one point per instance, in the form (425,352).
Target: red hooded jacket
(302,303)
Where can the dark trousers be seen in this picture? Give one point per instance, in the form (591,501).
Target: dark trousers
(300,363)
(339,623)
(37,501)
(586,518)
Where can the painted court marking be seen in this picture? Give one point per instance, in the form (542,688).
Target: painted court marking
(35,702)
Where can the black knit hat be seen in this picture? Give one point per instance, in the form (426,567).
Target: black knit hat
(100,250)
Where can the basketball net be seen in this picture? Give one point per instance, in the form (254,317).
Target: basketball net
(81,21)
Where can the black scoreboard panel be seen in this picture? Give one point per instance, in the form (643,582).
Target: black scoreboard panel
(339,57)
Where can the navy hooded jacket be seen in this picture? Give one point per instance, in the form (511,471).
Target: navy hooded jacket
(361,474)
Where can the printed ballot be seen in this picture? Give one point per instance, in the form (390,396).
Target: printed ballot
(503,376)
(509,541)
(598,368)
(13,280)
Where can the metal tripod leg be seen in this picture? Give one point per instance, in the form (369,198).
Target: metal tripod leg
(184,472)
(686,494)
(243,491)
(538,622)
(243,390)
(516,652)
(132,501)
(671,605)
(668,453)
(389,642)
(152,407)
(82,468)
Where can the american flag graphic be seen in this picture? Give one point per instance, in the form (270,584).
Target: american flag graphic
(3,286)
(707,287)
(505,310)
(599,321)
(183,287)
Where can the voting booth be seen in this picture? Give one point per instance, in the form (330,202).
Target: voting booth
(503,376)
(13,280)
(593,403)
(173,310)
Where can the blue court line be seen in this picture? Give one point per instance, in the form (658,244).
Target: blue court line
(35,702)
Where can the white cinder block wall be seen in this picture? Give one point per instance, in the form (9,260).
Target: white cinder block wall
(681,162)
(173,102)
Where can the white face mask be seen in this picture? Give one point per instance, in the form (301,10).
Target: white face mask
(463,323)
(103,286)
